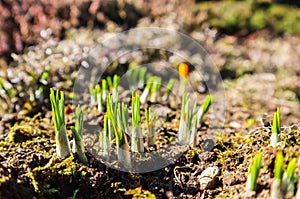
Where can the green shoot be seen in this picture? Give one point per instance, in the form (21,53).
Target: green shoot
(39,93)
(137,144)
(288,180)
(96,96)
(78,144)
(114,88)
(93,92)
(122,117)
(105,137)
(58,115)
(253,172)
(204,108)
(155,88)
(185,120)
(278,170)
(170,87)
(141,80)
(150,124)
(193,137)
(146,91)
(133,78)
(121,140)
(104,90)
(99,102)
(276,186)
(109,82)
(275,128)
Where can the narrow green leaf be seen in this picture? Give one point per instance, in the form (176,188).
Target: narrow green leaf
(278,170)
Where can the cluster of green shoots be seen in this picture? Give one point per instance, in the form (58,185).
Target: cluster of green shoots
(63,149)
(275,128)
(253,172)
(116,125)
(99,93)
(284,179)
(117,116)
(136,78)
(151,85)
(190,119)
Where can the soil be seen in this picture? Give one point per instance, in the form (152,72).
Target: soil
(259,72)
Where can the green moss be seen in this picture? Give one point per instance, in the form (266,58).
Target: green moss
(43,177)
(231,17)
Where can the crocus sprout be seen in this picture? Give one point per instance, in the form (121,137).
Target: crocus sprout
(104,90)
(275,128)
(156,84)
(104,137)
(278,170)
(276,188)
(78,144)
(185,120)
(193,137)
(150,124)
(288,179)
(122,116)
(58,115)
(146,91)
(121,139)
(170,87)
(94,91)
(253,172)
(133,78)
(141,80)
(113,86)
(137,144)
(203,109)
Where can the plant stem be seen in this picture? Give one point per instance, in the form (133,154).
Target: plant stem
(58,115)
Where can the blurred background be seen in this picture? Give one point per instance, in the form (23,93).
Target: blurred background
(22,21)
(255,45)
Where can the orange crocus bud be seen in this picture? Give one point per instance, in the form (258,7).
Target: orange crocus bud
(183,70)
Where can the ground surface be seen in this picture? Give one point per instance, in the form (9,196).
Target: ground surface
(260,73)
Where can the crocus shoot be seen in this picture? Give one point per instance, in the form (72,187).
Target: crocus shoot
(121,139)
(185,120)
(58,115)
(105,140)
(113,86)
(170,87)
(143,98)
(94,91)
(122,117)
(288,179)
(193,136)
(104,90)
(276,189)
(275,128)
(78,144)
(156,84)
(150,124)
(203,109)
(253,172)
(141,80)
(137,144)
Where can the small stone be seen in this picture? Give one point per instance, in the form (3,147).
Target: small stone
(235,125)
(209,177)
